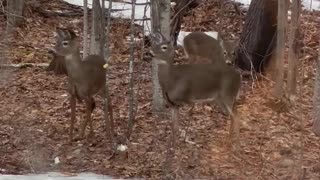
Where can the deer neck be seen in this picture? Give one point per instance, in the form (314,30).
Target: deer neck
(164,72)
(73,64)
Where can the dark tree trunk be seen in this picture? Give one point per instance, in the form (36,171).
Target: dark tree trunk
(258,37)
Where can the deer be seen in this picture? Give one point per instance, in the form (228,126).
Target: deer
(199,46)
(195,83)
(57,64)
(86,77)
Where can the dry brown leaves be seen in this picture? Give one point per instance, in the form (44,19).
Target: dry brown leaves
(34,120)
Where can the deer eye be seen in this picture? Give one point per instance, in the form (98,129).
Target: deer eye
(164,47)
(65,43)
(225,53)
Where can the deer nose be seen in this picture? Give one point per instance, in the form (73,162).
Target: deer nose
(229,62)
(52,51)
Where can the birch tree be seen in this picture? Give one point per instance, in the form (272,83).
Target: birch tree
(293,48)
(281,36)
(160,14)
(85,28)
(97,32)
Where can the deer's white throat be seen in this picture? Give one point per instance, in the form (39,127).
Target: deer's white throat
(161,61)
(69,57)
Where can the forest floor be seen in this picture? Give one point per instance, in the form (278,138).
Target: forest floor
(35,116)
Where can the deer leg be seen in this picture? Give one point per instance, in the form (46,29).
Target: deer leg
(222,106)
(92,105)
(234,126)
(89,107)
(73,115)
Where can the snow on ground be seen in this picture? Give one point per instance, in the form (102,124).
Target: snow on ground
(55,176)
(140,12)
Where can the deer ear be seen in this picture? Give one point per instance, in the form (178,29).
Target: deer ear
(157,37)
(72,34)
(59,32)
(221,43)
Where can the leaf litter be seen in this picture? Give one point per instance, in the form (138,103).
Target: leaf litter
(35,116)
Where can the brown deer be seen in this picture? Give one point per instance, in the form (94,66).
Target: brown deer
(192,83)
(57,64)
(199,46)
(85,77)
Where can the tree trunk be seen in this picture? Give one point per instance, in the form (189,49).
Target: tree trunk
(160,14)
(281,38)
(258,37)
(105,44)
(96,30)
(293,48)
(15,14)
(85,28)
(316,100)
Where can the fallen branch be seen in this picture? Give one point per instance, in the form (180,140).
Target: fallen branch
(24,65)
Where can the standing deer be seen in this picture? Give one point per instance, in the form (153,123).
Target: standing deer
(199,45)
(85,77)
(193,83)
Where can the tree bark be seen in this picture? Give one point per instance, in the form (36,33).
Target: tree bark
(316,100)
(96,30)
(293,48)
(15,14)
(258,37)
(85,28)
(281,38)
(160,14)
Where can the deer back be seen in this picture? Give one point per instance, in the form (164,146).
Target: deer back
(202,46)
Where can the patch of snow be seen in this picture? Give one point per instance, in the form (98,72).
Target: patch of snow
(125,12)
(122,147)
(56,160)
(55,176)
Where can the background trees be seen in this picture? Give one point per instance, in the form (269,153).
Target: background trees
(255,49)
(15,13)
